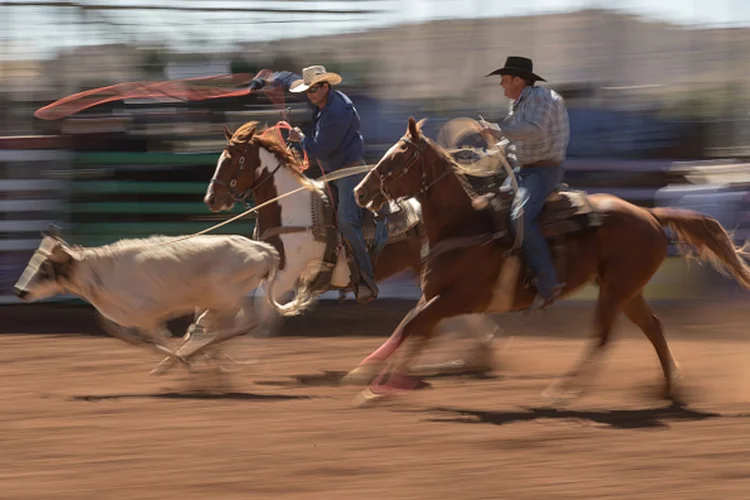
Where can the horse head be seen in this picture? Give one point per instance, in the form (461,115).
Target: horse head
(236,170)
(250,161)
(401,173)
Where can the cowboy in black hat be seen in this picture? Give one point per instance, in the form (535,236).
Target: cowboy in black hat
(535,135)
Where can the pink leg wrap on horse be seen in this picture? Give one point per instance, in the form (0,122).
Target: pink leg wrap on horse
(386,350)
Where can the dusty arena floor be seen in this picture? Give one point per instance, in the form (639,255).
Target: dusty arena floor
(80,418)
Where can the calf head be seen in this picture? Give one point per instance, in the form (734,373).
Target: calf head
(48,269)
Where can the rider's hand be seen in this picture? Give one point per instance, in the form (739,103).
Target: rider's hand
(490,132)
(485,125)
(488,136)
(295,135)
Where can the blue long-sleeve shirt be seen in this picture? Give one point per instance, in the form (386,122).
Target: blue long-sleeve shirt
(336,141)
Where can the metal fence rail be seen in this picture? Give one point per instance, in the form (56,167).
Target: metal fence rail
(33,195)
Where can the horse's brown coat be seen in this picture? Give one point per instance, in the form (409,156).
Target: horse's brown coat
(622,254)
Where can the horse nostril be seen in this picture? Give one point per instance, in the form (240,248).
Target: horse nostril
(210,199)
(20,292)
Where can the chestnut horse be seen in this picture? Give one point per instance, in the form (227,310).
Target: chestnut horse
(468,259)
(261,166)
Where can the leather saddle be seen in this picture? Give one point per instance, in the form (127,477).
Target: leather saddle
(566,211)
(404,218)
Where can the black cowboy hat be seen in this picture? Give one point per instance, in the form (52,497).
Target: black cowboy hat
(518,66)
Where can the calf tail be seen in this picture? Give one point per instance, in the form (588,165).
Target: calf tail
(303,297)
(272,265)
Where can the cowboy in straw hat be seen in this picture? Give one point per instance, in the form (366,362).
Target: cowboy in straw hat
(337,143)
(535,135)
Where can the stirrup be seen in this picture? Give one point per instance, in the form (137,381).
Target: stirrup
(541,303)
(368,296)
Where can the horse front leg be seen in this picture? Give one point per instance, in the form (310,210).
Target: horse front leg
(418,327)
(373,364)
(479,359)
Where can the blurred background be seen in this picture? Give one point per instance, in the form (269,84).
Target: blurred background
(658,96)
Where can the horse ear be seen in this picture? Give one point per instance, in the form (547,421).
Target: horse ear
(227,133)
(413,129)
(420,123)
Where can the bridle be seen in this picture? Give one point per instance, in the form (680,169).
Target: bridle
(242,197)
(417,156)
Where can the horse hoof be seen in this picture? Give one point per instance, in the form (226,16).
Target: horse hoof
(367,398)
(558,396)
(361,375)
(161,369)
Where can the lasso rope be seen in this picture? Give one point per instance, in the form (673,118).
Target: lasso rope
(339,174)
(509,171)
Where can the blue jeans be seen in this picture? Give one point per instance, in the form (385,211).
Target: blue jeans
(350,224)
(535,185)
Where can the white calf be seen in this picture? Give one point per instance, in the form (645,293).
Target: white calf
(139,284)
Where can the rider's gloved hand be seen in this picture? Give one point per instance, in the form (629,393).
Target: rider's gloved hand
(295,135)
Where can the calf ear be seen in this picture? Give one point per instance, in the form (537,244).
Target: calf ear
(63,254)
(53,231)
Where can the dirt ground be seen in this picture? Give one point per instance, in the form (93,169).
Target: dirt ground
(80,418)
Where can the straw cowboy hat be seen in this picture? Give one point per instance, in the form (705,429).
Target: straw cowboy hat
(518,66)
(313,75)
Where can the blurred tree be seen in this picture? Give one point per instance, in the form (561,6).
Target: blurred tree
(285,62)
(240,65)
(153,64)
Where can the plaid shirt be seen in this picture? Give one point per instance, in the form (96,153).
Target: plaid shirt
(536,128)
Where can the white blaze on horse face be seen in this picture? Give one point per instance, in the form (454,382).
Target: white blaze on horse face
(222,159)
(210,199)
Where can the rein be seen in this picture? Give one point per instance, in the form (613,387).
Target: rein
(451,244)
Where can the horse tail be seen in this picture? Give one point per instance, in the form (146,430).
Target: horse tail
(710,242)
(303,297)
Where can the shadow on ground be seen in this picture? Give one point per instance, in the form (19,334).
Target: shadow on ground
(660,417)
(198,395)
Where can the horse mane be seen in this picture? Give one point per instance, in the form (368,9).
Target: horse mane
(459,170)
(271,142)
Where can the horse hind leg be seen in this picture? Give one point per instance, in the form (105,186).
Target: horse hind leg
(479,359)
(568,386)
(640,312)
